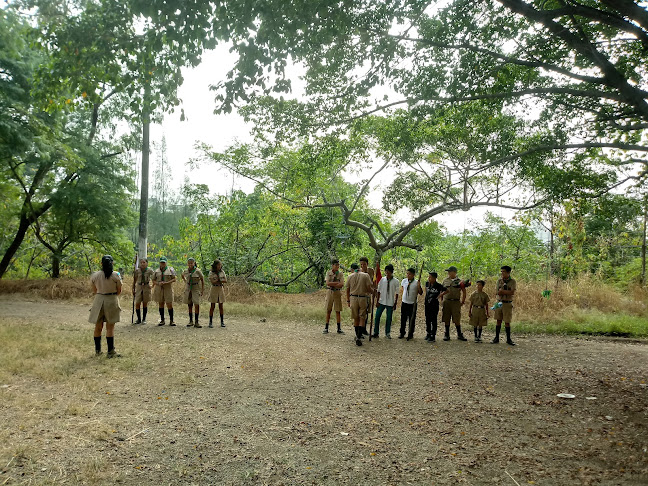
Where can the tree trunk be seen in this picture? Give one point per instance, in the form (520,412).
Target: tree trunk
(643,247)
(15,244)
(143,221)
(56,265)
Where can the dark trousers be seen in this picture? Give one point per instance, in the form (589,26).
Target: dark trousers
(407,314)
(431,316)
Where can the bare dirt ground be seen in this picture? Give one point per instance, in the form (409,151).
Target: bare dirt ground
(280,403)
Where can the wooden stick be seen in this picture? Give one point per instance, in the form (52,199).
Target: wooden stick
(518,484)
(135,435)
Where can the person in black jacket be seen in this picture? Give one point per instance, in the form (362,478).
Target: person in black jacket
(432,291)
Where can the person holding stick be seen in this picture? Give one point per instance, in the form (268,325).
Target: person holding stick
(364,267)
(193,277)
(359,287)
(505,288)
(106,285)
(410,292)
(142,289)
(335,284)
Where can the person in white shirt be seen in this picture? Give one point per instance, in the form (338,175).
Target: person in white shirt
(411,290)
(387,295)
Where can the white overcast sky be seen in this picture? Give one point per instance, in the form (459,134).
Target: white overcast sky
(220,131)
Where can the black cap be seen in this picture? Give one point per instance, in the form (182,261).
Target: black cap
(434,274)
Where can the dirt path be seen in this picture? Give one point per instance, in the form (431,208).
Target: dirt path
(280,403)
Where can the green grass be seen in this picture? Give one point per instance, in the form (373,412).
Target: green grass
(594,323)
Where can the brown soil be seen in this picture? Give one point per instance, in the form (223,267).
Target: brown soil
(280,403)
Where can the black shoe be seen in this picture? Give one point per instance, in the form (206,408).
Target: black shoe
(510,342)
(364,332)
(446,337)
(461,337)
(222,324)
(211,325)
(98,353)
(325,331)
(432,339)
(409,338)
(358,342)
(401,336)
(495,341)
(375,336)
(387,336)
(143,321)
(161,323)
(137,322)
(428,338)
(340,331)
(190,324)
(197,325)
(113,354)
(172,323)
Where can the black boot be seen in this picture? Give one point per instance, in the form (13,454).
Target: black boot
(508,336)
(144,312)
(433,335)
(358,333)
(196,320)
(171,323)
(211,321)
(190,320)
(161,323)
(495,340)
(476,336)
(139,317)
(97,341)
(339,328)
(222,323)
(479,333)
(325,331)
(446,337)
(460,335)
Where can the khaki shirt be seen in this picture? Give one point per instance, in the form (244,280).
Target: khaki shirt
(452,285)
(335,277)
(143,278)
(105,285)
(359,283)
(479,298)
(165,276)
(510,284)
(217,279)
(192,279)
(371,272)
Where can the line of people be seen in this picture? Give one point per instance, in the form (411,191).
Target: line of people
(150,285)
(449,296)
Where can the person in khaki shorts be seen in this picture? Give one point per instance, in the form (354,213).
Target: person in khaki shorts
(194,288)
(478,311)
(335,284)
(163,280)
(505,290)
(364,267)
(359,287)
(142,289)
(454,297)
(218,279)
(106,285)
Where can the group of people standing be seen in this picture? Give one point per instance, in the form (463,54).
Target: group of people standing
(449,296)
(154,285)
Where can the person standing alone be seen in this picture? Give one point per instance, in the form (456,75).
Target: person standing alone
(106,285)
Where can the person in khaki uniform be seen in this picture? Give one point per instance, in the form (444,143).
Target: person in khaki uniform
(505,290)
(218,279)
(335,284)
(453,298)
(478,311)
(359,287)
(194,288)
(142,289)
(364,267)
(106,285)
(163,280)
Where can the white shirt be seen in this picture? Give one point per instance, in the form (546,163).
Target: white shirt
(388,293)
(409,297)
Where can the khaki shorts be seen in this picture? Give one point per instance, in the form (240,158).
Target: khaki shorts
(478,318)
(358,309)
(334,300)
(105,308)
(451,310)
(142,294)
(217,295)
(504,313)
(163,293)
(192,296)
